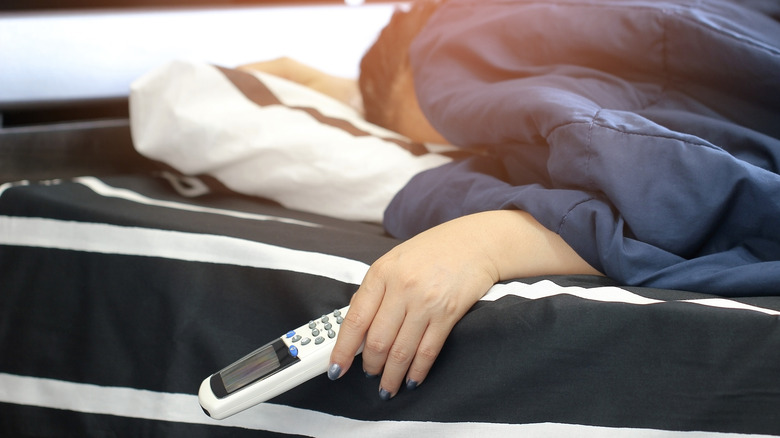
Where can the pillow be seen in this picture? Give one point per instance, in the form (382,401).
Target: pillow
(265,136)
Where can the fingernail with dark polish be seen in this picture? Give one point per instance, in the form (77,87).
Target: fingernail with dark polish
(411,384)
(384,394)
(334,371)
(369,375)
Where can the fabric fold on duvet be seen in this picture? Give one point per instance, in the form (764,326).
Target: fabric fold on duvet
(644,133)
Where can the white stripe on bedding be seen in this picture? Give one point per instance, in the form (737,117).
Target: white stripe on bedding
(184,408)
(730,304)
(112,239)
(208,248)
(608,294)
(106,190)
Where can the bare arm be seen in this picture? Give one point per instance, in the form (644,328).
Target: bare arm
(412,296)
(343,89)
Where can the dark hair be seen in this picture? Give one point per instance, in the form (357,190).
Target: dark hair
(387,61)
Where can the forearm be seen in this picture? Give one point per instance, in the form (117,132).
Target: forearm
(343,89)
(412,296)
(519,246)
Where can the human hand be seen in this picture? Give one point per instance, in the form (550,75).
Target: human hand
(409,302)
(342,89)
(412,296)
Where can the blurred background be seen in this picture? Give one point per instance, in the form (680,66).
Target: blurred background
(66,56)
(66,66)
(11,5)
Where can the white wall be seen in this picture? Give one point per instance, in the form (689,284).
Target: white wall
(58,56)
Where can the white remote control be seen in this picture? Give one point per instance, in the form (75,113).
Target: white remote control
(272,369)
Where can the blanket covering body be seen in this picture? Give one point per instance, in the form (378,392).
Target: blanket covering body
(645,133)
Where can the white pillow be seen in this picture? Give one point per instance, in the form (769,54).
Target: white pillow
(265,136)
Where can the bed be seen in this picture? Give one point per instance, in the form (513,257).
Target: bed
(139,293)
(126,281)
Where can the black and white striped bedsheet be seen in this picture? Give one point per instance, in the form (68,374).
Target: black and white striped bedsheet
(118,296)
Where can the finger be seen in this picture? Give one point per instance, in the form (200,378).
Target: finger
(428,350)
(401,355)
(382,335)
(363,307)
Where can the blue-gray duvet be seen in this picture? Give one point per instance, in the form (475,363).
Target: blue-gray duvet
(645,133)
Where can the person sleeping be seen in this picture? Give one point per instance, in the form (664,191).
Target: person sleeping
(636,140)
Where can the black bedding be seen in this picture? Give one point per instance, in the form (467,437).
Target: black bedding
(119,295)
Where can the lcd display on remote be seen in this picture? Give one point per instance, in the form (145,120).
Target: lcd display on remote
(256,365)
